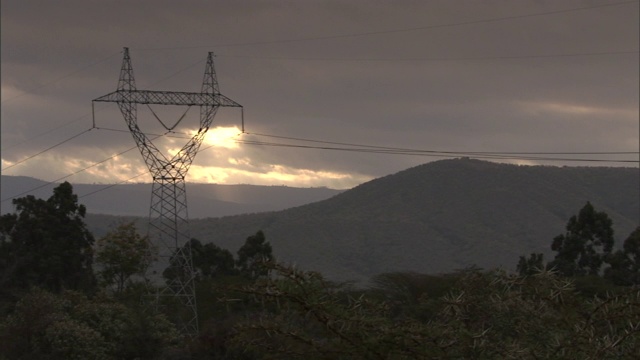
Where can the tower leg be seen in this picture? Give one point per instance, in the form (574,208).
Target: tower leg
(168,226)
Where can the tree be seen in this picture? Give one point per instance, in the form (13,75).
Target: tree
(632,250)
(587,242)
(69,325)
(123,253)
(530,266)
(486,315)
(46,243)
(404,292)
(208,261)
(624,265)
(255,251)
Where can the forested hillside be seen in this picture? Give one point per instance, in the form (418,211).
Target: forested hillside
(433,218)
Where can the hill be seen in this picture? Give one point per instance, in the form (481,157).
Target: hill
(205,200)
(436,217)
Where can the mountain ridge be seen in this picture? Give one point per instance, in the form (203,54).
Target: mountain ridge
(205,200)
(436,217)
(432,218)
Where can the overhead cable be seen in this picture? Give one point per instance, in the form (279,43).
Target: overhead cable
(365,149)
(87,115)
(74,173)
(45,150)
(451,152)
(403,151)
(391,31)
(111,185)
(435,59)
(44,133)
(24,92)
(433,153)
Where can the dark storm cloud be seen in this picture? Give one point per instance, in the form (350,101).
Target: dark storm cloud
(478,86)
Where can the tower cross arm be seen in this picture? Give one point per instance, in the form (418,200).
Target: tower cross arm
(168,98)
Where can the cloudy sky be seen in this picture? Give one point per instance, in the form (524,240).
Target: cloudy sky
(327,86)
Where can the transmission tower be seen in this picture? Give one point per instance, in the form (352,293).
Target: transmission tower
(168,212)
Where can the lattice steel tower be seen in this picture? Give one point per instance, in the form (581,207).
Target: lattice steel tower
(168,213)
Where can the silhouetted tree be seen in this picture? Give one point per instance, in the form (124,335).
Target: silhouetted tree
(632,249)
(208,261)
(624,265)
(530,266)
(46,243)
(585,245)
(123,253)
(405,292)
(256,250)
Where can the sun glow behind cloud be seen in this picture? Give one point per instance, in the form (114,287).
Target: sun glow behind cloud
(574,109)
(223,160)
(220,160)
(278,175)
(221,136)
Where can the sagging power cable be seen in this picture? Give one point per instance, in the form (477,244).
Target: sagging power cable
(47,149)
(438,153)
(74,173)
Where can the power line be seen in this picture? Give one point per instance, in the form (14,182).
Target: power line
(361,148)
(391,31)
(47,149)
(387,150)
(375,149)
(481,58)
(45,133)
(179,135)
(93,165)
(352,59)
(87,115)
(82,117)
(177,72)
(74,173)
(112,185)
(430,59)
(24,92)
(427,27)
(135,176)
(446,152)
(434,153)
(408,152)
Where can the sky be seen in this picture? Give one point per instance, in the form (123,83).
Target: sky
(327,87)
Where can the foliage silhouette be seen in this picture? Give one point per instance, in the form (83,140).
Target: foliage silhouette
(586,244)
(255,251)
(123,253)
(46,243)
(487,315)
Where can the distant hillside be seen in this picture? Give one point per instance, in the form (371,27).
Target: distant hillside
(205,200)
(434,218)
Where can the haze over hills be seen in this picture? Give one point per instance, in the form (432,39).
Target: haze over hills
(434,218)
(205,200)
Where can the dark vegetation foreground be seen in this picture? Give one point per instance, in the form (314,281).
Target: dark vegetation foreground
(64,295)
